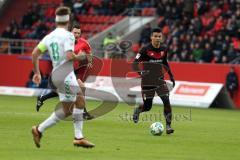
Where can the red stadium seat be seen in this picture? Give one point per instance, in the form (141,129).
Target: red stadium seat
(95,2)
(93,28)
(94,19)
(24,32)
(91,19)
(82,18)
(148,12)
(84,27)
(114,19)
(103,27)
(101,19)
(50,12)
(45,2)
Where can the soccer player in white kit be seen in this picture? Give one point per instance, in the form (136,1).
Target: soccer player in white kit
(60,45)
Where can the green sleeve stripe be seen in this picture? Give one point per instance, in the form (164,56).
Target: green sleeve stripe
(42,47)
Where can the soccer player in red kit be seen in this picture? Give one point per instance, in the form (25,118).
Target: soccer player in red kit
(80,68)
(81,47)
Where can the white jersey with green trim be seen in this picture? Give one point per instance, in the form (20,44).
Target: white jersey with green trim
(58,42)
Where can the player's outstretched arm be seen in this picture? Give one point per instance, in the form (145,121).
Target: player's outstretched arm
(35,60)
(72,56)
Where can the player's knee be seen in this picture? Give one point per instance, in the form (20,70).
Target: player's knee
(165,100)
(65,110)
(147,105)
(81,85)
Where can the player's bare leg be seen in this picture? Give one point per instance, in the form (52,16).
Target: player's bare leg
(76,109)
(59,114)
(79,140)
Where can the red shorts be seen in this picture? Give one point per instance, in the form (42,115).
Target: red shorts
(82,73)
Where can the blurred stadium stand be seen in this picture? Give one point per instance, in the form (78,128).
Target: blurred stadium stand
(2,4)
(204,31)
(193,26)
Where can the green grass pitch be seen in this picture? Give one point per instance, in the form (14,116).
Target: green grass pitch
(200,134)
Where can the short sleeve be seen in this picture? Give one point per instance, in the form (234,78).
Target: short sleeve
(140,55)
(87,47)
(42,45)
(69,43)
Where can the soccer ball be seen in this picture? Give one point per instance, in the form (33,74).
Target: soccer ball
(156,129)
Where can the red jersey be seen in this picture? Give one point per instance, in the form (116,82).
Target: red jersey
(82,45)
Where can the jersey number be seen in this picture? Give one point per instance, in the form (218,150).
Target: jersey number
(55,51)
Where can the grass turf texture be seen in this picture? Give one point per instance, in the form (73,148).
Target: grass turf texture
(199,134)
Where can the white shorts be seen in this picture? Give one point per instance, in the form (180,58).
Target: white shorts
(68,90)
